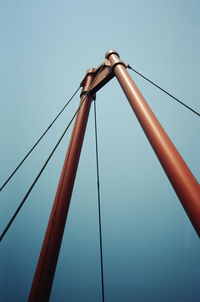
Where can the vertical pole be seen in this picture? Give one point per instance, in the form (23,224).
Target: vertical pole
(184,183)
(44,274)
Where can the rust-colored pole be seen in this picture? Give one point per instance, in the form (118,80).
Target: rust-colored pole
(184,183)
(44,274)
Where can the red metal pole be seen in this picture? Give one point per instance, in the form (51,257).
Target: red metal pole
(184,183)
(44,274)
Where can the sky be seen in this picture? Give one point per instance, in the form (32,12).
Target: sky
(150,249)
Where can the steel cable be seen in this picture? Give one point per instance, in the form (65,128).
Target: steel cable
(29,152)
(180,102)
(48,159)
(99,203)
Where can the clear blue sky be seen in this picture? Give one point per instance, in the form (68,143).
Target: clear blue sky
(151,251)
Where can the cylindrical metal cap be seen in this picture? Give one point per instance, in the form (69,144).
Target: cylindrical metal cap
(90,70)
(111,52)
(86,83)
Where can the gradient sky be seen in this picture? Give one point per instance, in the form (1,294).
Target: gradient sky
(151,251)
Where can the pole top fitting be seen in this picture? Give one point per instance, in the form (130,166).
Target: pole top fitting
(86,83)
(90,71)
(114,59)
(111,52)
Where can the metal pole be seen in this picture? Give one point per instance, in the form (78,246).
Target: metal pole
(184,183)
(44,274)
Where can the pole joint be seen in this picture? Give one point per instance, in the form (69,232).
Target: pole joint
(104,76)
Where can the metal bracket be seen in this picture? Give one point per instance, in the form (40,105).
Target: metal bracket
(104,77)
